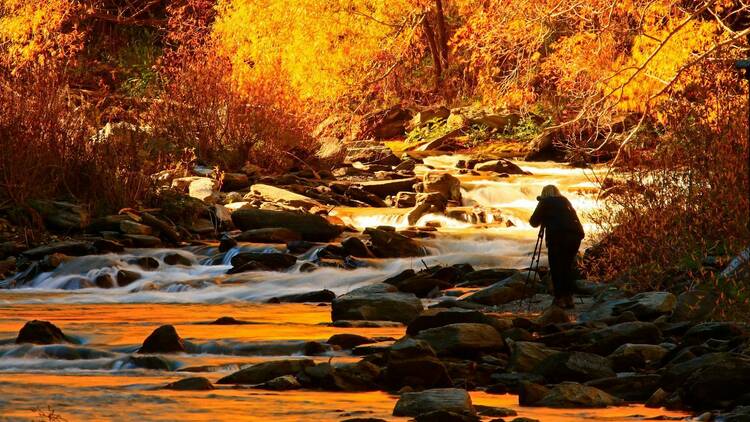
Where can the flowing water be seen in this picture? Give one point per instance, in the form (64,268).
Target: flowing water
(95,380)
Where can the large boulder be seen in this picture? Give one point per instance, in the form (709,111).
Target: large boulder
(426,203)
(712,330)
(574,366)
(462,338)
(636,356)
(629,386)
(385,188)
(387,244)
(438,317)
(311,227)
(266,371)
(273,261)
(448,186)
(607,340)
(525,356)
(565,395)
(380,302)
(648,305)
(413,363)
(41,332)
(163,340)
(717,385)
(59,215)
(269,235)
(277,195)
(505,291)
(437,399)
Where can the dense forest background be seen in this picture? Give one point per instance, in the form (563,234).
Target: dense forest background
(97,96)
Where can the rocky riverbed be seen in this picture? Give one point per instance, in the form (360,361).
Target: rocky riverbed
(394,289)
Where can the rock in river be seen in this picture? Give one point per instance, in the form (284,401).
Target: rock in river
(311,227)
(387,244)
(266,371)
(190,384)
(163,340)
(462,338)
(378,302)
(41,332)
(438,399)
(565,395)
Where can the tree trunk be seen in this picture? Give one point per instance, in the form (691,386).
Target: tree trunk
(430,34)
(442,32)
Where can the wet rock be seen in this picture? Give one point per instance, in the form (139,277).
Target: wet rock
(234,181)
(385,188)
(712,330)
(359,376)
(607,340)
(41,332)
(499,166)
(414,363)
(629,387)
(462,338)
(226,243)
(525,356)
(694,305)
(385,244)
(163,340)
(156,363)
(126,277)
(104,281)
(349,341)
(438,317)
(177,259)
(50,262)
(269,235)
(282,383)
(190,384)
(311,227)
(502,292)
(277,195)
(356,247)
(491,411)
(380,302)
(565,395)
(574,366)
(636,356)
(320,296)
(146,263)
(648,305)
(273,261)
(227,320)
(266,371)
(438,399)
(444,184)
(70,248)
(77,283)
(427,203)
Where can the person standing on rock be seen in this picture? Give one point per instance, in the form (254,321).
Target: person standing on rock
(564,234)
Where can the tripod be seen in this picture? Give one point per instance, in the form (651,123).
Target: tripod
(535,257)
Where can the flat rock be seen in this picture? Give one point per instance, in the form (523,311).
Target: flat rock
(385,188)
(438,399)
(266,371)
(311,227)
(376,303)
(438,317)
(282,196)
(462,338)
(502,292)
(70,248)
(269,235)
(648,305)
(574,366)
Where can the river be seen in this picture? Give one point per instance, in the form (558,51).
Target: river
(98,384)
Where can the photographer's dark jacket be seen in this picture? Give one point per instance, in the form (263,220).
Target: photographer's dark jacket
(558,217)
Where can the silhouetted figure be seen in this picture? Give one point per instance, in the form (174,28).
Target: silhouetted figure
(564,234)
